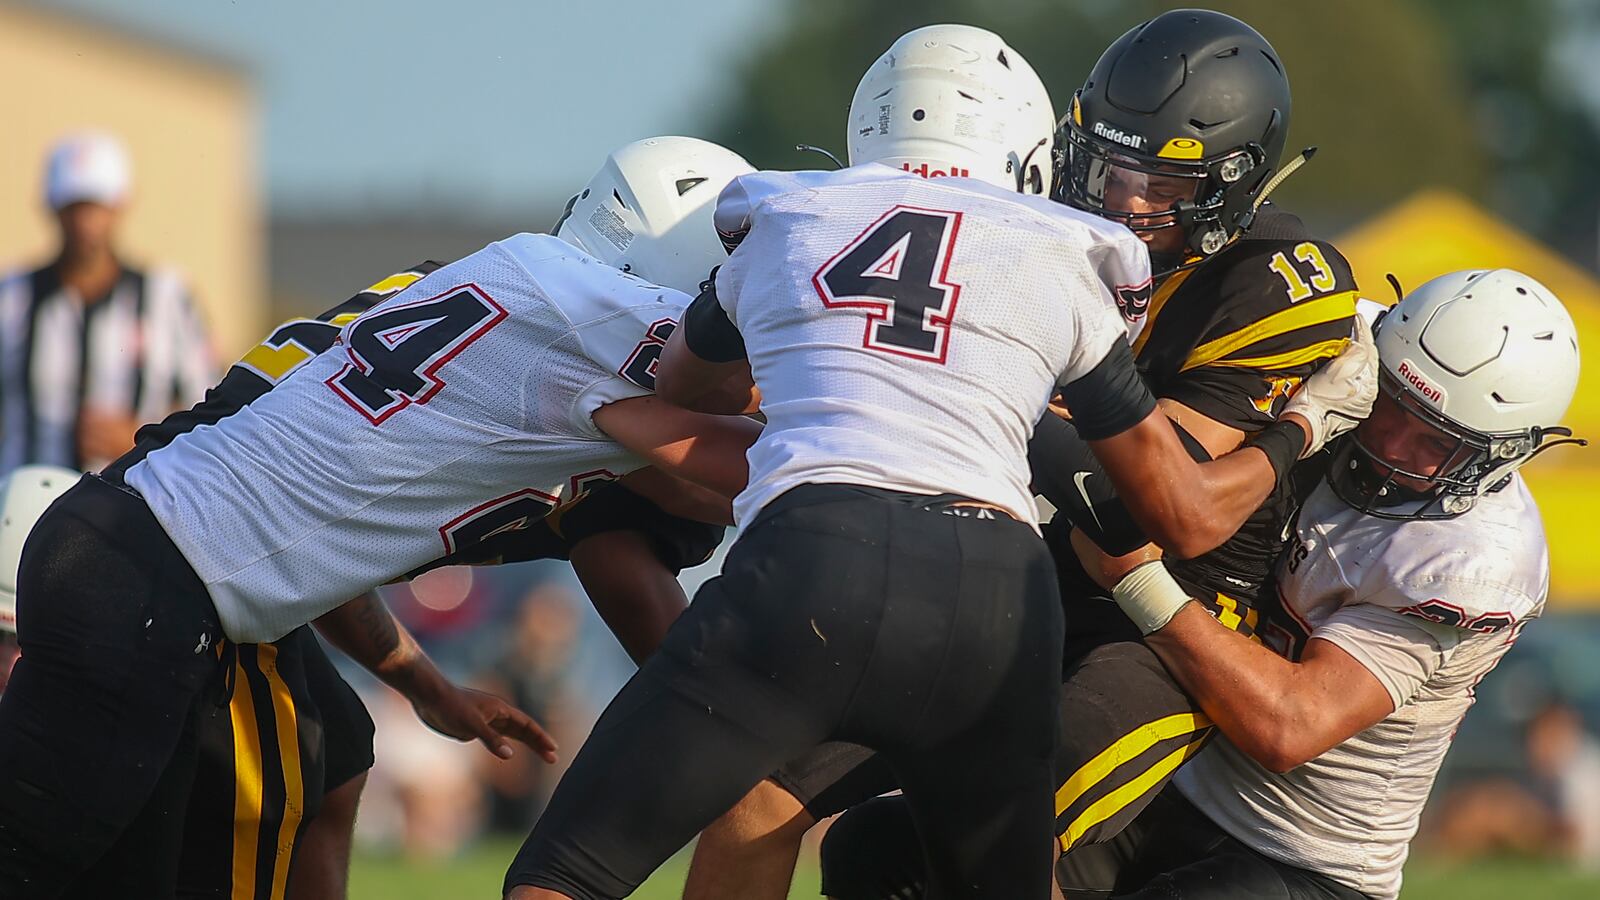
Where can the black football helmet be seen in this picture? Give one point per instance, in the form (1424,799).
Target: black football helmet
(1190,110)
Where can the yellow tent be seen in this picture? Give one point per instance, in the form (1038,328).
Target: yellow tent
(1434,232)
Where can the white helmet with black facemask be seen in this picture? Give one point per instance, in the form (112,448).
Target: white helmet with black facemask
(1488,359)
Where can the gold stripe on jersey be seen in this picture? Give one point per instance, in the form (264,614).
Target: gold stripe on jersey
(1124,749)
(274,363)
(1163,293)
(1320,311)
(1116,800)
(343,319)
(247,785)
(287,719)
(397,282)
(1289,359)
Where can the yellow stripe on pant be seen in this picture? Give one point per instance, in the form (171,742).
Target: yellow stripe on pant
(1126,749)
(247,712)
(289,751)
(247,785)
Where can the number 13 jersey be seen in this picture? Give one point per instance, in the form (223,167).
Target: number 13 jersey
(457,407)
(906,333)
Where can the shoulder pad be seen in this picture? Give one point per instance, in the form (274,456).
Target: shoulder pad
(1482,571)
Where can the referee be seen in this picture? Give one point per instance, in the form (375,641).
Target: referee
(91,347)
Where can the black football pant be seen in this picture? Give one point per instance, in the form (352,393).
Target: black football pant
(97,746)
(292,731)
(841,612)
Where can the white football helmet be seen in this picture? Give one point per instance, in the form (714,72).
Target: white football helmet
(1489,358)
(648,210)
(955,100)
(24,496)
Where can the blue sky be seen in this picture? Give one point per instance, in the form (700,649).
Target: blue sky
(486,105)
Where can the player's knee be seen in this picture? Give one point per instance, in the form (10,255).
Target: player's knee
(871,853)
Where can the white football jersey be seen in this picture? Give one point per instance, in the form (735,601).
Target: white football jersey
(906,333)
(1429,607)
(457,408)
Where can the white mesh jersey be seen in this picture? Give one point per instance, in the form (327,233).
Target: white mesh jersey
(906,333)
(455,409)
(1429,607)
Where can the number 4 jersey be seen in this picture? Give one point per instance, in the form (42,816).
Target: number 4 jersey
(459,406)
(906,333)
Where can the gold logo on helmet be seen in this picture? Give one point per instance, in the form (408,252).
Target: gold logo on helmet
(1183,148)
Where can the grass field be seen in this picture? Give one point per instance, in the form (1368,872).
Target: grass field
(477,875)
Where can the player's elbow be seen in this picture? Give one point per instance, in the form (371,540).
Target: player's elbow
(674,387)
(1282,741)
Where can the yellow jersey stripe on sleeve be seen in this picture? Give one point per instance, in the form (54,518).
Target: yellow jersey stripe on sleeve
(1291,358)
(1331,308)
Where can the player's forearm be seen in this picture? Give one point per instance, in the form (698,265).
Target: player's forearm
(1188,508)
(1254,696)
(368,633)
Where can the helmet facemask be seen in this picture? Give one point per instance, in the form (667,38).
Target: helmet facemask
(1208,200)
(1468,463)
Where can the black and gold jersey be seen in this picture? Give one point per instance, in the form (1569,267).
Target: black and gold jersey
(1234,336)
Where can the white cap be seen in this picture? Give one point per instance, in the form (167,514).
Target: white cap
(91,166)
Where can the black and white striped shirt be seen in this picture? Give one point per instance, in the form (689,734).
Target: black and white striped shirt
(141,350)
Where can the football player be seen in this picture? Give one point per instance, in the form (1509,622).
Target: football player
(265,810)
(1178,133)
(475,398)
(887,583)
(1412,568)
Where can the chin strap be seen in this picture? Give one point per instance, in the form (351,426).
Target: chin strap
(1282,176)
(808,148)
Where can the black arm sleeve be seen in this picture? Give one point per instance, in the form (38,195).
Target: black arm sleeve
(1067,474)
(1110,398)
(678,542)
(707,329)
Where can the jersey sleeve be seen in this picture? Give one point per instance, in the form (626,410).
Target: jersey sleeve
(738,200)
(1284,308)
(1401,651)
(624,350)
(1123,264)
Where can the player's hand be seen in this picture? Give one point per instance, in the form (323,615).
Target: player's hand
(466,714)
(1340,394)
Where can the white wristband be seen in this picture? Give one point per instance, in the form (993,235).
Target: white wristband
(1149,596)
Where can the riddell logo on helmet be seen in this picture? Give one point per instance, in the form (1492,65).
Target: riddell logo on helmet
(925,172)
(1117,135)
(1409,374)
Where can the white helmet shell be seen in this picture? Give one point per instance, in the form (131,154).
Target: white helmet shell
(648,210)
(1493,351)
(955,100)
(24,496)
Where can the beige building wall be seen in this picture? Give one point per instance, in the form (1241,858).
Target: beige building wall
(190,127)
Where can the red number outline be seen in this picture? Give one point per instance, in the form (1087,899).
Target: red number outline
(447,530)
(880,312)
(428,373)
